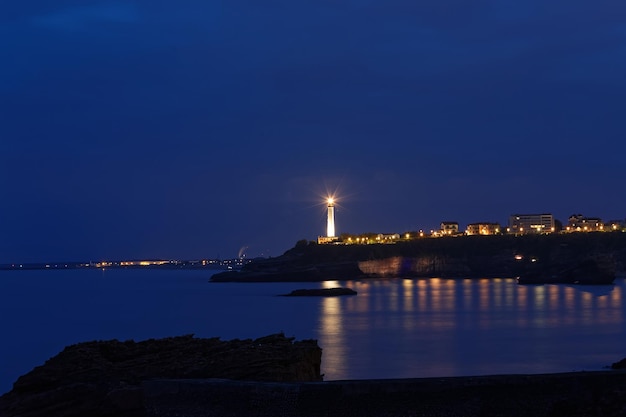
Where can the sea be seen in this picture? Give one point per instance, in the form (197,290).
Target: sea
(393,328)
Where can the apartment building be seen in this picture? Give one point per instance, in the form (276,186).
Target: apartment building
(531,223)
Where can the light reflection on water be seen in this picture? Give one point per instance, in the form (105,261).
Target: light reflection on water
(400,328)
(437,327)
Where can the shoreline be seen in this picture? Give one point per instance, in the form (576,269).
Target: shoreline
(278,375)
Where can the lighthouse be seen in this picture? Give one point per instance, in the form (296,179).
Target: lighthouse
(330,224)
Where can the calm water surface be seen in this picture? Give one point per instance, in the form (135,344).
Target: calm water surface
(392,329)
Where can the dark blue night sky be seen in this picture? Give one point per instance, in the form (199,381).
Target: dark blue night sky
(192,128)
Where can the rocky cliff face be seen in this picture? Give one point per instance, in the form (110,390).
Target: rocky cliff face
(423,266)
(103,378)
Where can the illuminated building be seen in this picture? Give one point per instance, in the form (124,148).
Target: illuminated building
(531,223)
(330,223)
(387,238)
(449,228)
(615,225)
(483,229)
(579,223)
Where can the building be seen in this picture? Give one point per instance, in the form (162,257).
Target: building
(330,224)
(387,237)
(580,223)
(484,228)
(449,228)
(531,223)
(321,240)
(330,220)
(615,225)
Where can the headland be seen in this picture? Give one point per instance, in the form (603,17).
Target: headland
(565,256)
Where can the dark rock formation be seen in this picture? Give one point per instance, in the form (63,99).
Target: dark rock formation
(321,292)
(103,378)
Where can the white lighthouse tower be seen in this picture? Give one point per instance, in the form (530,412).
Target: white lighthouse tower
(330,225)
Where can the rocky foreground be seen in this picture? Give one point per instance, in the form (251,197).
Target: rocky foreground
(104,378)
(277,376)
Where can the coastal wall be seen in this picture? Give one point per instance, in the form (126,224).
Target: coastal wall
(572,394)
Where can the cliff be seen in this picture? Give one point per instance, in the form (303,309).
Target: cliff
(465,256)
